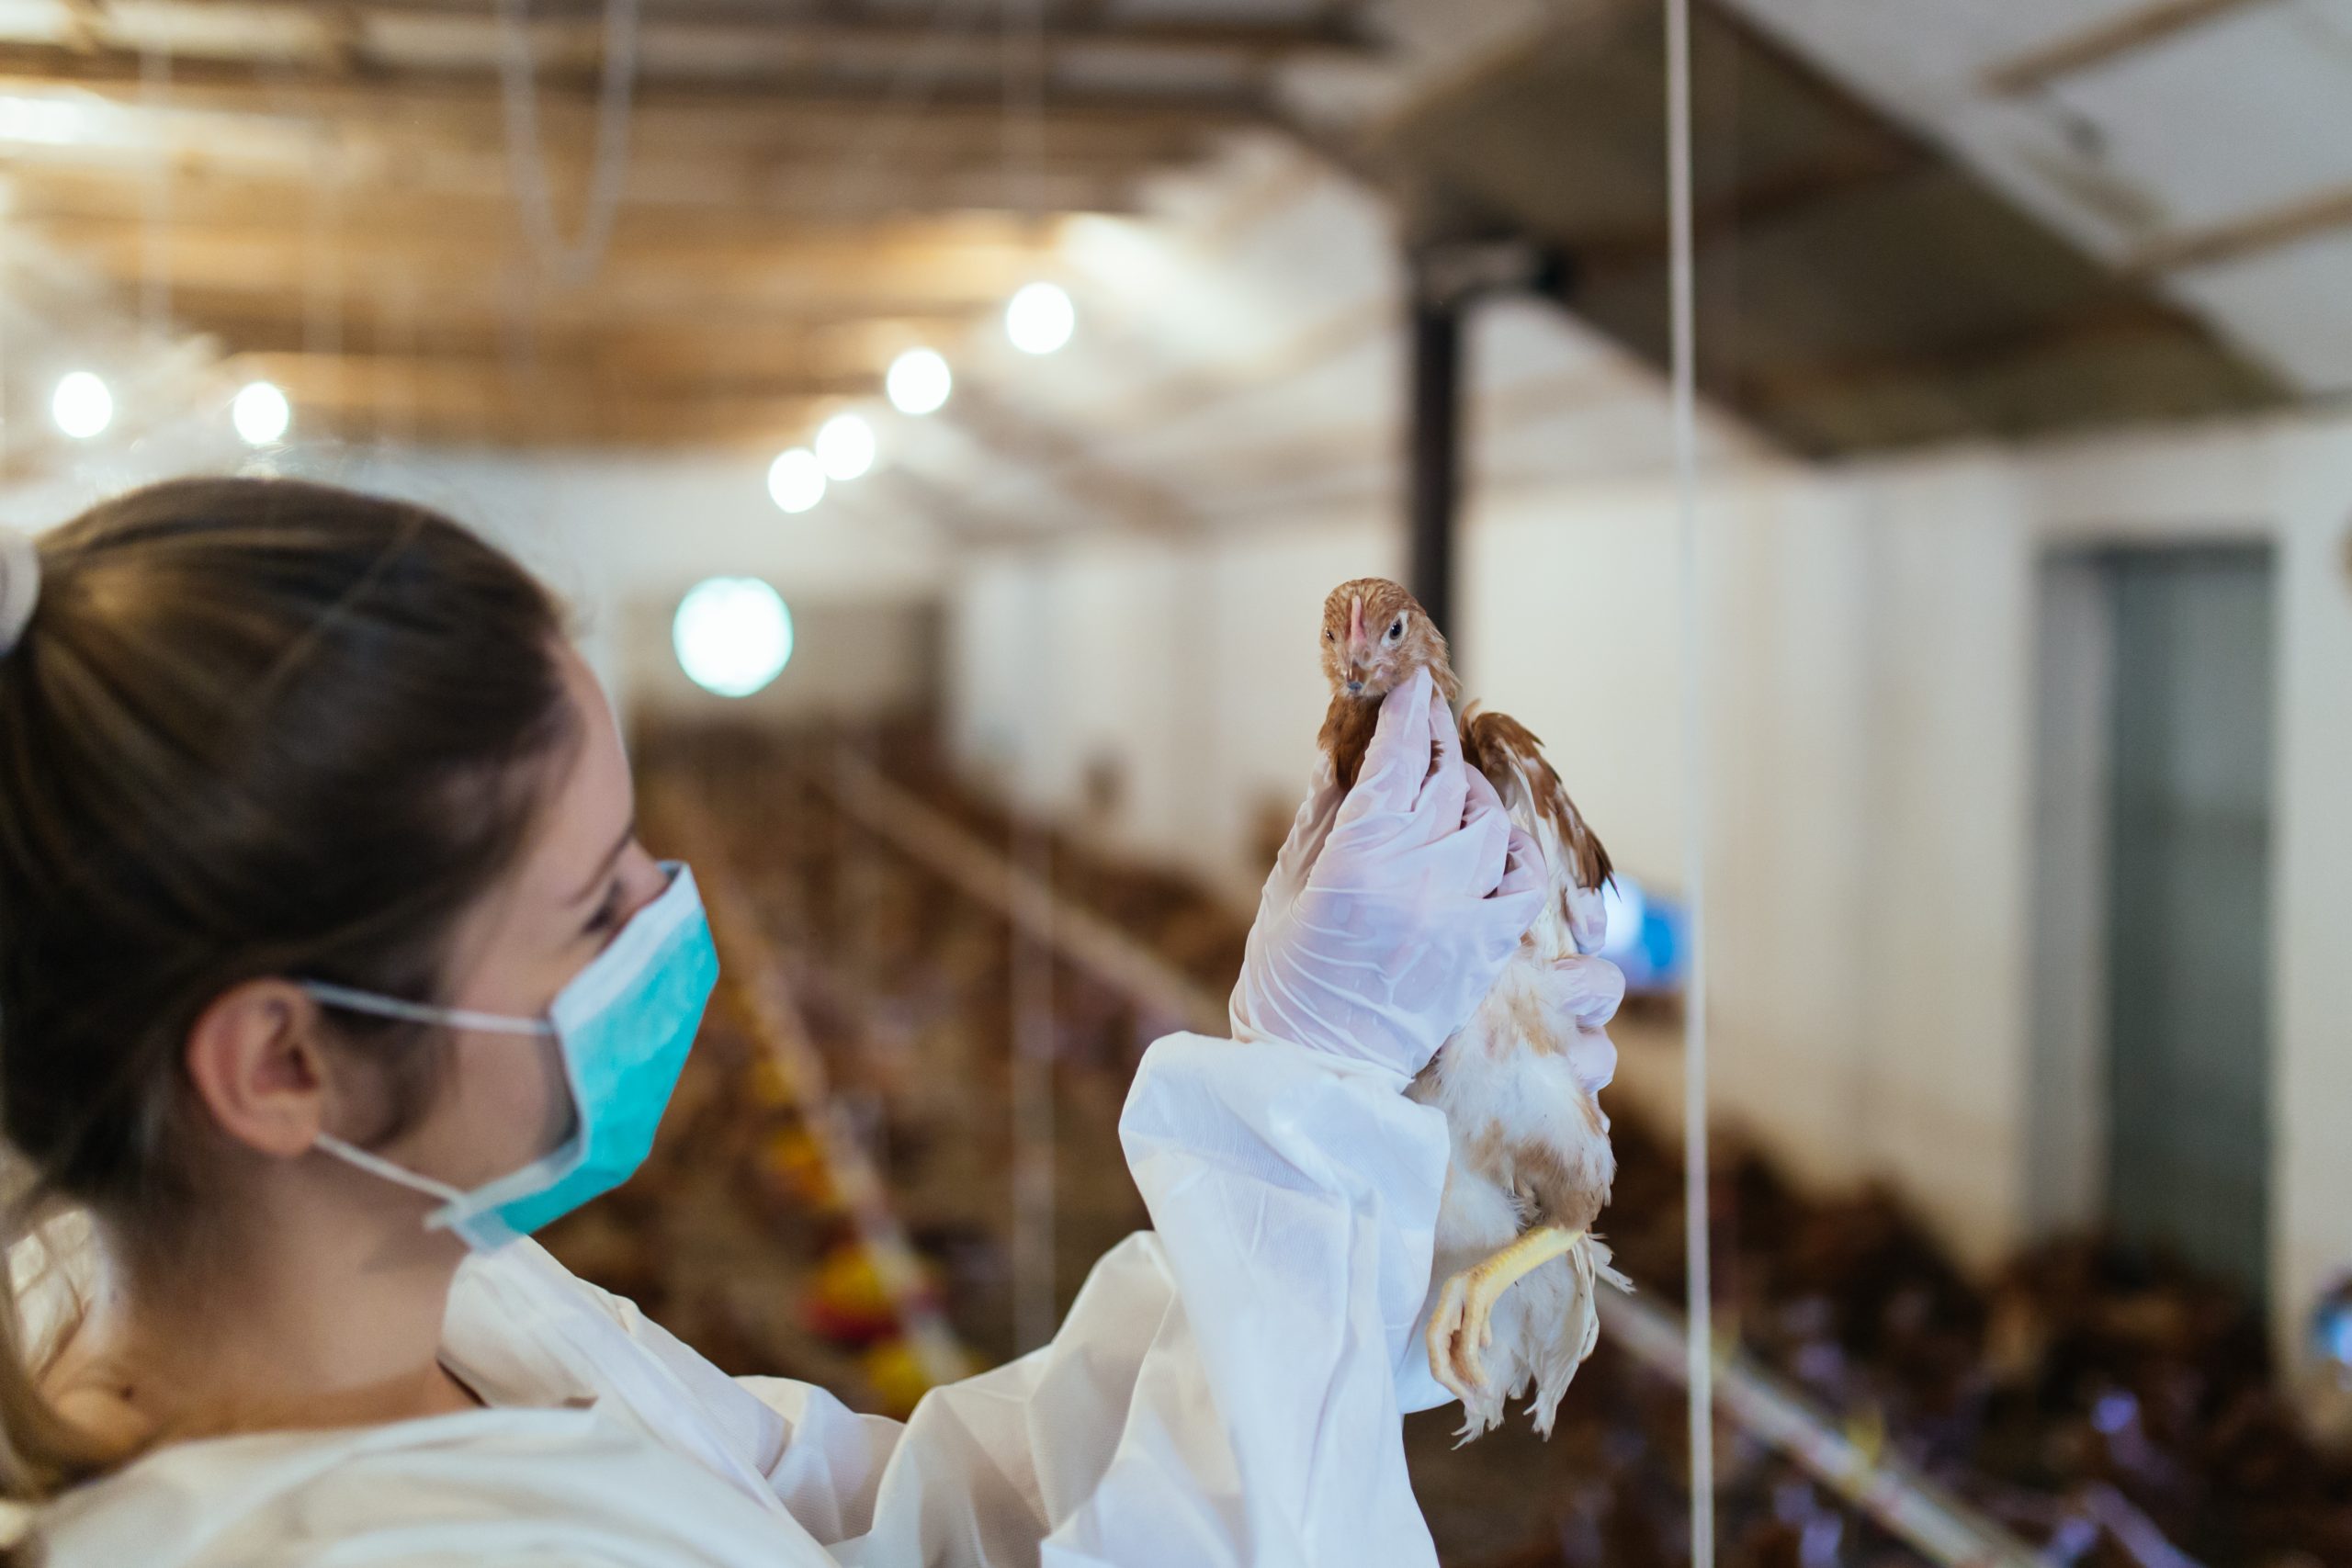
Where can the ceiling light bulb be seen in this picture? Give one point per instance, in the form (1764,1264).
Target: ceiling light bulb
(733,635)
(796,480)
(845,446)
(1040,319)
(81,405)
(261,414)
(919,383)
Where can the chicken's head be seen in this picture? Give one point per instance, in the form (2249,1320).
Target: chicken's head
(1374,636)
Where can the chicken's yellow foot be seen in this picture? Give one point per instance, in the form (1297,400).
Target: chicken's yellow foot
(1463,1323)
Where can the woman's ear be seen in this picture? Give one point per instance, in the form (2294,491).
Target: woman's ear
(255,1059)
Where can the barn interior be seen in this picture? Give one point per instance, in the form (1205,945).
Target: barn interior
(945,418)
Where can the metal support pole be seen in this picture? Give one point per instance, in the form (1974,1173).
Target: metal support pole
(1449,279)
(1436,481)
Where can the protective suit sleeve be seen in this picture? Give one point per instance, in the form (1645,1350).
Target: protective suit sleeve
(1296,1197)
(1224,1389)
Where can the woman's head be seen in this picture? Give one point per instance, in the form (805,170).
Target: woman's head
(258,731)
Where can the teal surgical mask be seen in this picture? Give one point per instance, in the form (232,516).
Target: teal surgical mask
(624,1025)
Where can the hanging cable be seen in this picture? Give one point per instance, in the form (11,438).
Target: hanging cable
(155,284)
(1698,1341)
(1034,1307)
(570,262)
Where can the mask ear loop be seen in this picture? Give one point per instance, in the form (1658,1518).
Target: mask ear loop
(409,1012)
(377,1164)
(419,1012)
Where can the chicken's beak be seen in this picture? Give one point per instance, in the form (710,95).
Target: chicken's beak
(1359,650)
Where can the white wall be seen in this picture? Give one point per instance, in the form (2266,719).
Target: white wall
(624,537)
(1872,637)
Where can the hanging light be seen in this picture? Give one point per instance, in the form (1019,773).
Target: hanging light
(796,480)
(845,446)
(919,383)
(733,635)
(261,414)
(1040,319)
(81,405)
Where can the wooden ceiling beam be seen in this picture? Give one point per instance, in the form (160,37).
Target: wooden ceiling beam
(783,151)
(392,219)
(411,320)
(707,26)
(2269,230)
(414,320)
(849,275)
(2141,26)
(738,35)
(541,417)
(405,87)
(320,379)
(749,194)
(525,403)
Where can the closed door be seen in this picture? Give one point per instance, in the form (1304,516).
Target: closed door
(2189,914)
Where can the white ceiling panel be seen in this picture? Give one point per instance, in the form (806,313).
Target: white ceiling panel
(2202,128)
(2288,305)
(2223,121)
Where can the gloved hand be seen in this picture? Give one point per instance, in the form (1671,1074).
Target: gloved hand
(1390,912)
(1587,991)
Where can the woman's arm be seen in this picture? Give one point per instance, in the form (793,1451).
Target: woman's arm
(1223,1390)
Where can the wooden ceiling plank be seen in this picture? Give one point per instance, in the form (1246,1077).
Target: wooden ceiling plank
(748,195)
(400,87)
(1233,37)
(2254,234)
(75,206)
(2141,26)
(337,379)
(819,151)
(720,270)
(484,322)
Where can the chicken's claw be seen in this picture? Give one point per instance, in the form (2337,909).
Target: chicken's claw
(1461,1324)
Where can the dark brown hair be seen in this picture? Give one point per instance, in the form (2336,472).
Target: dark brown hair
(253,728)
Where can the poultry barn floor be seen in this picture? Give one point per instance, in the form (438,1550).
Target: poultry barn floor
(2098,1406)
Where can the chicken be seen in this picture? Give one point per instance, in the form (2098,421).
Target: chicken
(1513,1304)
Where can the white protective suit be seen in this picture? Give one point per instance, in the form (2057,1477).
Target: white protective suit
(1225,1389)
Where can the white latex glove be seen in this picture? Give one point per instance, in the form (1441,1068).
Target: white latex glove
(1390,912)
(1587,991)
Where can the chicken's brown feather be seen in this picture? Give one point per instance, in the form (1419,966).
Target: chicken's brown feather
(1492,743)
(1347,735)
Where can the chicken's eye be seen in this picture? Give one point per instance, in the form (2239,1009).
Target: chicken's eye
(1396,629)
(1328,637)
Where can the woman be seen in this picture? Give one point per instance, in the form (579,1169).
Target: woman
(331,966)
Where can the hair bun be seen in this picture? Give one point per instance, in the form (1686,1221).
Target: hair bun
(19,586)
